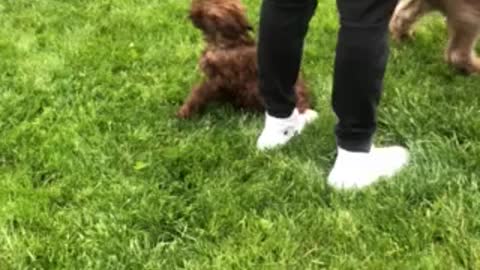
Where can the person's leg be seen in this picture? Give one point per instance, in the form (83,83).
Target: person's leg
(283,26)
(361,58)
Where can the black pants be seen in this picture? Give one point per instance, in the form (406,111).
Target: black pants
(361,58)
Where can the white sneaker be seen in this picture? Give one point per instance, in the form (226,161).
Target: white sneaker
(358,170)
(278,131)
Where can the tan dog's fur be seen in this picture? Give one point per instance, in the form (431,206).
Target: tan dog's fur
(463,19)
(229,61)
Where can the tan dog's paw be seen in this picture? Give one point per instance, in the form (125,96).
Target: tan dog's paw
(402,36)
(399,30)
(406,14)
(464,62)
(475,66)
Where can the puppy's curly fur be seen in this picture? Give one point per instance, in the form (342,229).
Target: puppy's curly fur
(463,19)
(229,60)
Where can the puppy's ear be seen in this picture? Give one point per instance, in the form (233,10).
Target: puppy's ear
(198,18)
(234,24)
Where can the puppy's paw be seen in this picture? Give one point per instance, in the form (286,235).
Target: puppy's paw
(184,112)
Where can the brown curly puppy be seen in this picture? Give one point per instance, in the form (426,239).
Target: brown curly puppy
(229,61)
(463,18)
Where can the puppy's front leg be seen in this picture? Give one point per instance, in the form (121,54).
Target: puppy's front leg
(199,97)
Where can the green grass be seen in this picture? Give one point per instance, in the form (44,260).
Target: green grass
(96,172)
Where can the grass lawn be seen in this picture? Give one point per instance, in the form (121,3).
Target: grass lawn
(97,173)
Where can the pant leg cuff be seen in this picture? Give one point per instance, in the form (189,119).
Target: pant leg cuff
(355,145)
(284,112)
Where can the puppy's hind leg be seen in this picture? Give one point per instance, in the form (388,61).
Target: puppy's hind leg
(303,99)
(303,104)
(461,49)
(199,97)
(406,14)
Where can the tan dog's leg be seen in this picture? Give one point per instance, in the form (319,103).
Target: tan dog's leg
(406,14)
(199,98)
(461,47)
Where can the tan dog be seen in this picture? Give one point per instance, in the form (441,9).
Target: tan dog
(463,19)
(229,61)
